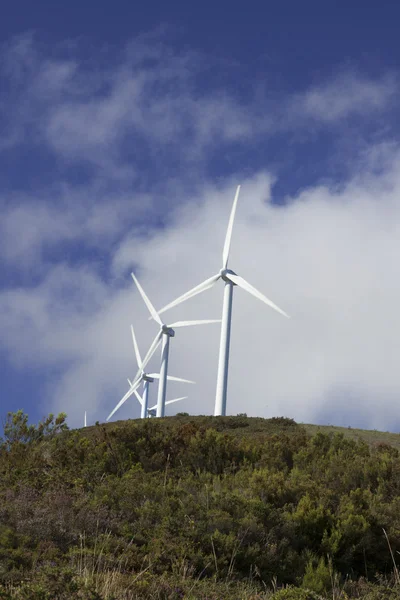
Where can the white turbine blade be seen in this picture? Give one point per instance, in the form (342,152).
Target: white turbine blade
(228,237)
(169,402)
(149,305)
(202,287)
(252,290)
(170,378)
(189,323)
(137,379)
(138,396)
(151,350)
(175,400)
(136,348)
(124,399)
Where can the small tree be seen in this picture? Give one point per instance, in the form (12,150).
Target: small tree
(17,430)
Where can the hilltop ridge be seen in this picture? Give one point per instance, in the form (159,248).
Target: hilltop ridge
(241,424)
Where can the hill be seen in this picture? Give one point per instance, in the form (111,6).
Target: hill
(243,426)
(198,507)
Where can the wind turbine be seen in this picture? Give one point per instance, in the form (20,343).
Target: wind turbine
(136,381)
(165,333)
(151,412)
(144,377)
(231,279)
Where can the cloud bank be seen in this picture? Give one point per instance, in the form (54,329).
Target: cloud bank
(129,145)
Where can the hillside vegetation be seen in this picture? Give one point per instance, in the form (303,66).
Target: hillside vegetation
(197,507)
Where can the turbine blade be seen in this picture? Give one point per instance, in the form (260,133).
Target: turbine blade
(149,305)
(169,402)
(138,396)
(137,379)
(252,290)
(170,378)
(152,349)
(189,323)
(175,400)
(140,373)
(202,287)
(228,237)
(136,348)
(124,399)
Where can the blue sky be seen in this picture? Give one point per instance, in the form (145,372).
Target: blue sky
(124,133)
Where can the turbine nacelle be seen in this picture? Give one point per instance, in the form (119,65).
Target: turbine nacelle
(224,274)
(146,377)
(168,330)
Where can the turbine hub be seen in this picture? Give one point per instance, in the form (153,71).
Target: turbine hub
(223,274)
(168,330)
(145,377)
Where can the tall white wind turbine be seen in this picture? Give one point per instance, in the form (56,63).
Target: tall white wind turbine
(230,279)
(164,335)
(142,377)
(135,383)
(151,412)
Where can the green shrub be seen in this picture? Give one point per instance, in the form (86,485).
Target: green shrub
(317,576)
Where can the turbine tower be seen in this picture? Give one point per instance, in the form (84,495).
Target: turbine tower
(230,279)
(164,334)
(145,378)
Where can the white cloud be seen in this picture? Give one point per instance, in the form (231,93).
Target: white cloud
(89,215)
(345,95)
(150,99)
(328,257)
(148,96)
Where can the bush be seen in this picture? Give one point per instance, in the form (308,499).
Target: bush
(317,576)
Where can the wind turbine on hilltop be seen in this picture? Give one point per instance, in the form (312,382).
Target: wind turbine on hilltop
(230,279)
(142,377)
(164,335)
(151,412)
